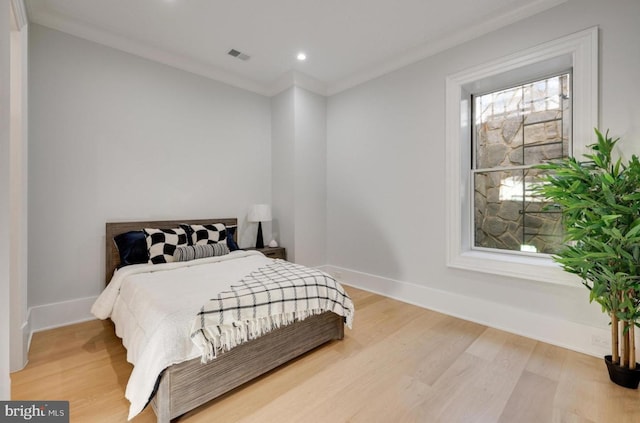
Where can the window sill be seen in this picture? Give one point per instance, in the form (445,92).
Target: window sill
(542,269)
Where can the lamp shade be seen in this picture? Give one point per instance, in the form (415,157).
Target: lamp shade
(259,213)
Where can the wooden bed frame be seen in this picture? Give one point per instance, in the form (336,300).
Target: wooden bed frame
(185,386)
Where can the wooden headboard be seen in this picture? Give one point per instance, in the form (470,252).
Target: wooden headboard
(117,228)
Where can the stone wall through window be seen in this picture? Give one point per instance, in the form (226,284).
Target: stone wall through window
(514,129)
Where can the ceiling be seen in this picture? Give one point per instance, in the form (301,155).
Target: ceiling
(346,41)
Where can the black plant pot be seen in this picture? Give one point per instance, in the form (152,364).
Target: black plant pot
(623,376)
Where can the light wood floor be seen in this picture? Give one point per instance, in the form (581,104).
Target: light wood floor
(400,363)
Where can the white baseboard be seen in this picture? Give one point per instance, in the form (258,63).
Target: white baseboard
(49,316)
(552,330)
(19,347)
(26,342)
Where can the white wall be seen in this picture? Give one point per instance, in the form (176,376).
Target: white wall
(5,382)
(117,137)
(299,174)
(19,190)
(283,170)
(385,166)
(310,177)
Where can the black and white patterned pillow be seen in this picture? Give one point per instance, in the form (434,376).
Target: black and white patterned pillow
(208,234)
(162,243)
(192,252)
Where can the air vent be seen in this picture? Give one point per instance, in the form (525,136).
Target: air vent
(240,55)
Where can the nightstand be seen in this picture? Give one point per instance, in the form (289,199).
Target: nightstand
(271,252)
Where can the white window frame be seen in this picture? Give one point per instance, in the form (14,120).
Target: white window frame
(578,51)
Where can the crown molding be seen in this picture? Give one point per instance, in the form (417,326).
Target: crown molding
(429,49)
(298,79)
(291,78)
(19,13)
(147,51)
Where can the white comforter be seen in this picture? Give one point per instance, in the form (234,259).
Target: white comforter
(153,307)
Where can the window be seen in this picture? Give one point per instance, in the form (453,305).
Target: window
(488,176)
(513,130)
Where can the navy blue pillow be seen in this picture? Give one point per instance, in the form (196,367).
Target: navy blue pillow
(132,247)
(231,241)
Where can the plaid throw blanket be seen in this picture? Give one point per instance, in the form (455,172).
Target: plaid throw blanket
(275,295)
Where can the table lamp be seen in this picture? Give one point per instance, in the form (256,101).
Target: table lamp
(259,213)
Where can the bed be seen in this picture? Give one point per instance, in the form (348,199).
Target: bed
(184,386)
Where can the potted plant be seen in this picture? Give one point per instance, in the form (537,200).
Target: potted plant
(600,203)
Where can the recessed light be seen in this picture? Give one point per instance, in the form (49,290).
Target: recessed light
(301,56)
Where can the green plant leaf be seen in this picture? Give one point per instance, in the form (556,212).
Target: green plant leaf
(600,203)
